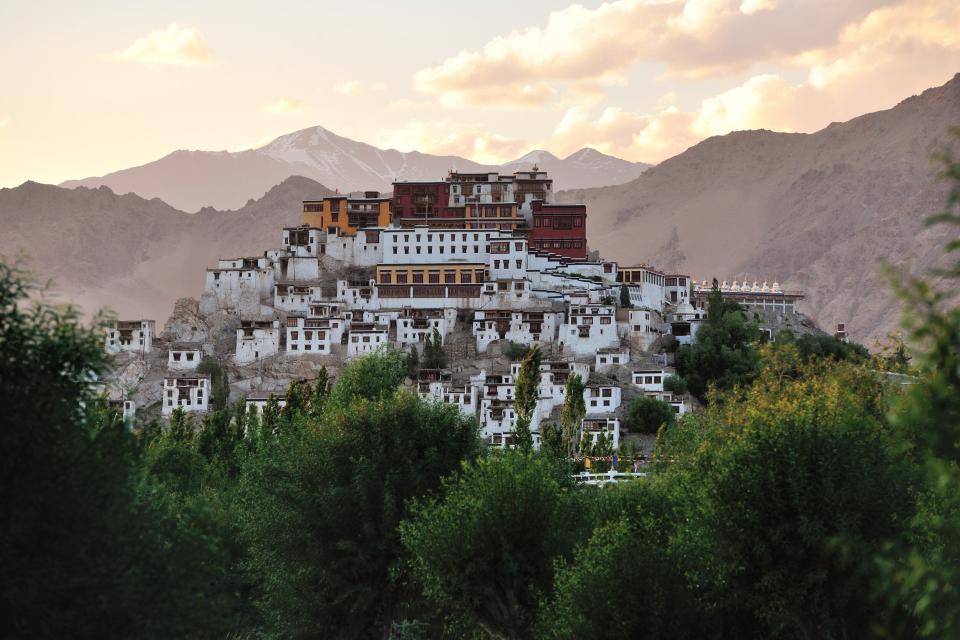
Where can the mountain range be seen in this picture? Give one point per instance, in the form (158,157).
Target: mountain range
(190,180)
(820,212)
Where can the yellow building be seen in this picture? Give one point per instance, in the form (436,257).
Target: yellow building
(445,273)
(344,214)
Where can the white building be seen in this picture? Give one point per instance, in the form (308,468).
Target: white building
(237,282)
(423,245)
(601,398)
(366,338)
(190,392)
(126,409)
(184,356)
(414,325)
(295,297)
(589,327)
(433,384)
(257,339)
(608,358)
(306,336)
(135,336)
(649,380)
(523,327)
(304,241)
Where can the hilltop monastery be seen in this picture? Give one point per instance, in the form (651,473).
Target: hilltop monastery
(486,261)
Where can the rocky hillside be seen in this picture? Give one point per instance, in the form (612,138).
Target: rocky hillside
(820,212)
(133,255)
(189,180)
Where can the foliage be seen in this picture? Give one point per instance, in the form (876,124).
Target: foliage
(516,351)
(625,297)
(219,382)
(434,357)
(675,385)
(802,482)
(723,353)
(485,551)
(526,395)
(821,345)
(322,504)
(573,411)
(647,414)
(412,362)
(90,546)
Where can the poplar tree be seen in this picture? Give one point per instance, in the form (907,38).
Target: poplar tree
(527,392)
(574,409)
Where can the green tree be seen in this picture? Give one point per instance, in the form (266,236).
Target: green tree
(90,546)
(434,356)
(526,395)
(322,505)
(723,353)
(573,411)
(219,382)
(412,362)
(647,414)
(675,385)
(486,550)
(625,297)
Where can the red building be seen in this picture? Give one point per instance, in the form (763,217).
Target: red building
(422,201)
(560,229)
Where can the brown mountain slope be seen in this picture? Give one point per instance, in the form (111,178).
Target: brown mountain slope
(820,212)
(133,255)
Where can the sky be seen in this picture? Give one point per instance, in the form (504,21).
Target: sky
(93,87)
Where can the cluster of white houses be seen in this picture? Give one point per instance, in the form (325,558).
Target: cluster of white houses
(504,268)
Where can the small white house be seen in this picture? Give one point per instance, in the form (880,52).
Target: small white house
(135,336)
(184,356)
(126,409)
(608,358)
(589,327)
(649,380)
(366,338)
(190,392)
(306,336)
(257,339)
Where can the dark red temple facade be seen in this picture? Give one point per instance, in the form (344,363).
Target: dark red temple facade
(560,229)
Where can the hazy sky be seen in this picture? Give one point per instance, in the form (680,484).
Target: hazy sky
(92,87)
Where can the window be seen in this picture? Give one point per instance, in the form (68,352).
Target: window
(434,277)
(449,277)
(386,277)
(466,277)
(401,278)
(417,277)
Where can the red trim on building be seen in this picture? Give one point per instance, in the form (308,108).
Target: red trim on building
(560,229)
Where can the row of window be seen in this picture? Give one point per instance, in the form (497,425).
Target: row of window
(449,277)
(558,244)
(558,223)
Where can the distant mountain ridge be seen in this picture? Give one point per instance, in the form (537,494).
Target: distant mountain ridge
(134,255)
(190,180)
(820,212)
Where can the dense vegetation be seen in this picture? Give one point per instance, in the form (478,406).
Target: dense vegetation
(816,496)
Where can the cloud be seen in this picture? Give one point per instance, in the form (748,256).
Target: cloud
(3,123)
(355,87)
(444,138)
(581,47)
(891,53)
(175,45)
(286,107)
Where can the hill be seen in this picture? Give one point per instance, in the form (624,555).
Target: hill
(820,212)
(133,255)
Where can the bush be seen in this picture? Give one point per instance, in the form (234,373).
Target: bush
(675,385)
(647,415)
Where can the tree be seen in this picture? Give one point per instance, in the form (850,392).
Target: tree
(434,357)
(219,382)
(647,414)
(551,440)
(88,544)
(802,484)
(526,395)
(412,361)
(321,506)
(723,353)
(675,385)
(486,550)
(625,297)
(573,411)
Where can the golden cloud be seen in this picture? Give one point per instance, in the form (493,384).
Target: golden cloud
(286,107)
(175,45)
